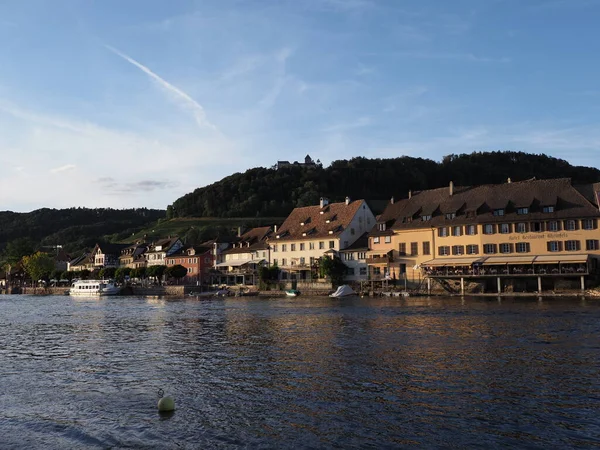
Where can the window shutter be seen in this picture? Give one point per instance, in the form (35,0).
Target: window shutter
(594,224)
(548,246)
(512,248)
(560,246)
(578,245)
(577,224)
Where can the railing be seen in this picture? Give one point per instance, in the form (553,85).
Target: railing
(380,260)
(518,271)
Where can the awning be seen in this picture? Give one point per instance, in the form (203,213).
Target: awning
(557,259)
(239,262)
(441,262)
(503,260)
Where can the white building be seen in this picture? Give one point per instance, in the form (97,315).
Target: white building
(311,232)
(355,258)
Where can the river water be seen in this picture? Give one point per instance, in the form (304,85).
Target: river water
(299,373)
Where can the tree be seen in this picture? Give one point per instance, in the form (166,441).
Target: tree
(139,272)
(107,272)
(56,274)
(156,271)
(67,275)
(17,249)
(85,274)
(122,272)
(268,275)
(38,266)
(334,269)
(177,271)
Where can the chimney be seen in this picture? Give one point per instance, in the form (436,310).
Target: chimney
(392,200)
(451,188)
(509,181)
(324,202)
(239,232)
(409,194)
(347,200)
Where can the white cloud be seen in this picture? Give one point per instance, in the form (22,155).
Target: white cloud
(188,101)
(65,168)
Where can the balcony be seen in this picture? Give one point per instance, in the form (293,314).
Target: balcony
(384,259)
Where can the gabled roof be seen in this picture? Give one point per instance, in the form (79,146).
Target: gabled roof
(339,216)
(80,260)
(362,243)
(251,241)
(111,249)
(165,244)
(481,201)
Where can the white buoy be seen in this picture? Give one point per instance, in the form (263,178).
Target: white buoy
(165,404)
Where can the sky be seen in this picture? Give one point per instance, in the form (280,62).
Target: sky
(111,103)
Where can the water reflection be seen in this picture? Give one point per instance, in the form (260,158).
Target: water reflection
(302,372)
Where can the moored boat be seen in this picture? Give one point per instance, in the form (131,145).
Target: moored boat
(343,291)
(292,292)
(94,287)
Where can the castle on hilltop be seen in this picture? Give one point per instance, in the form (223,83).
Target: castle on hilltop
(308,163)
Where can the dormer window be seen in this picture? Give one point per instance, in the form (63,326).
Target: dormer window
(425,218)
(450,216)
(548,209)
(301,224)
(381,227)
(330,231)
(499,212)
(303,234)
(327,221)
(277,237)
(523,210)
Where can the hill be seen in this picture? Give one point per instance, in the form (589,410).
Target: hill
(261,192)
(73,228)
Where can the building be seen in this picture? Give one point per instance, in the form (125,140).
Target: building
(355,258)
(159,250)
(239,264)
(534,234)
(311,232)
(196,259)
(308,163)
(83,262)
(133,256)
(107,255)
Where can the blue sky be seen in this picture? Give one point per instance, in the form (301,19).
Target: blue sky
(135,103)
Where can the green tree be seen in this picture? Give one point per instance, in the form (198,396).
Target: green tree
(107,272)
(17,249)
(56,274)
(85,274)
(156,272)
(38,266)
(334,269)
(177,271)
(67,275)
(139,272)
(122,272)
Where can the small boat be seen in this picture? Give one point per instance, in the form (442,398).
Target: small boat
(343,291)
(90,288)
(292,292)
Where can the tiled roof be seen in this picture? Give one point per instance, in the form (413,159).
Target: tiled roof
(252,240)
(165,245)
(312,220)
(112,249)
(481,201)
(83,259)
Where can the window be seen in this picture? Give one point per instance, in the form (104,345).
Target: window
(349,256)
(311,245)
(523,247)
(402,248)
(489,249)
(572,246)
(414,248)
(471,230)
(381,226)
(376,240)
(388,239)
(207,260)
(505,248)
(292,247)
(302,261)
(472,249)
(283,261)
(363,270)
(331,244)
(301,246)
(425,218)
(350,271)
(443,232)
(284,247)
(352,231)
(570,225)
(458,249)
(554,246)
(588,224)
(548,209)
(488,229)
(321,245)
(499,212)
(457,231)
(362,255)
(537,227)
(521,227)
(426,248)
(444,250)
(189,270)
(553,226)
(275,261)
(592,244)
(376,270)
(504,228)
(522,211)
(450,216)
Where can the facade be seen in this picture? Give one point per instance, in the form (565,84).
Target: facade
(311,232)
(308,163)
(160,250)
(197,260)
(83,262)
(107,255)
(239,264)
(355,258)
(133,256)
(538,229)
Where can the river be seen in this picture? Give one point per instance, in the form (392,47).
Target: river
(299,373)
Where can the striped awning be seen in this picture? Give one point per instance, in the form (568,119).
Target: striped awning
(441,262)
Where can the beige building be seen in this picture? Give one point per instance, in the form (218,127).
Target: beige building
(311,232)
(511,235)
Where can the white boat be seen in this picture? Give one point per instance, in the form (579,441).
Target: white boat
(89,288)
(343,291)
(292,292)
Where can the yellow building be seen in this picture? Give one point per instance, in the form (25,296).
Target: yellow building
(512,234)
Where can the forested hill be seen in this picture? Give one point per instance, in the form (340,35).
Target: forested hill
(275,192)
(73,228)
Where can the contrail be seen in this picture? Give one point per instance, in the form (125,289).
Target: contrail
(192,104)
